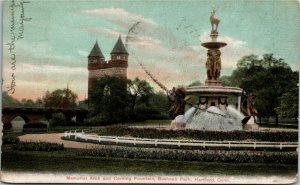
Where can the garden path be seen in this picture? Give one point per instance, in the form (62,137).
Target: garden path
(56,138)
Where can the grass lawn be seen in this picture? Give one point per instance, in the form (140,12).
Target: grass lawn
(68,161)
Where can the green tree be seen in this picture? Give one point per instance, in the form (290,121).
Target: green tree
(195,83)
(139,93)
(27,103)
(108,98)
(160,102)
(9,101)
(288,102)
(269,78)
(39,103)
(60,98)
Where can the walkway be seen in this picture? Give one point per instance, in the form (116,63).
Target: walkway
(56,138)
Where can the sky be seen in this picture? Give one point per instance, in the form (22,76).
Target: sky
(57,36)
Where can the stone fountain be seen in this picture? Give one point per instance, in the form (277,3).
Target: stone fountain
(212,112)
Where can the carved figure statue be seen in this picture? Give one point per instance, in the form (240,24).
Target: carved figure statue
(202,103)
(214,21)
(247,105)
(217,63)
(176,98)
(222,103)
(213,64)
(209,65)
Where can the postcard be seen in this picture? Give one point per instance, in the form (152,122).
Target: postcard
(154,92)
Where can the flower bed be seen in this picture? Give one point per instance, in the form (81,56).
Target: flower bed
(193,155)
(272,136)
(38,146)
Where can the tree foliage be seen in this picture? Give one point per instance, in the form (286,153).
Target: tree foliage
(114,101)
(270,79)
(139,93)
(160,102)
(108,98)
(195,83)
(60,98)
(9,101)
(288,102)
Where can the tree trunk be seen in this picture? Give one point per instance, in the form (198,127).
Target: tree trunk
(133,105)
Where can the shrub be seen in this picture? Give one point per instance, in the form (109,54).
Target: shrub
(7,126)
(10,139)
(57,119)
(193,155)
(98,119)
(275,136)
(35,127)
(38,146)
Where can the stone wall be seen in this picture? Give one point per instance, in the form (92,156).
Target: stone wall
(114,71)
(109,64)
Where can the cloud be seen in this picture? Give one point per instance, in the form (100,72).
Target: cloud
(83,53)
(137,41)
(98,30)
(119,16)
(147,43)
(124,20)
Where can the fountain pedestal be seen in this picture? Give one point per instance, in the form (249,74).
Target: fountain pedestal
(213,63)
(213,83)
(213,93)
(212,112)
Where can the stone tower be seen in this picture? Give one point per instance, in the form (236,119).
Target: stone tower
(116,66)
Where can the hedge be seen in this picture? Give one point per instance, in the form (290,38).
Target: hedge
(272,136)
(10,139)
(7,126)
(193,155)
(38,146)
(35,127)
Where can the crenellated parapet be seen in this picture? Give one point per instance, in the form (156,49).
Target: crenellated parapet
(109,64)
(117,66)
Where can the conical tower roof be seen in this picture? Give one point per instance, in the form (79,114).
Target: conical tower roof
(119,48)
(96,51)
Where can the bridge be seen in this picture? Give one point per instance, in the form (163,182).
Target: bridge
(36,114)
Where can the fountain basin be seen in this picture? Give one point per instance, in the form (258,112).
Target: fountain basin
(213,90)
(213,45)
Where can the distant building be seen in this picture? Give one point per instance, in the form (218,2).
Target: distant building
(116,66)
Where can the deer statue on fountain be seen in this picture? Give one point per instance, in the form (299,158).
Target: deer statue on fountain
(214,21)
